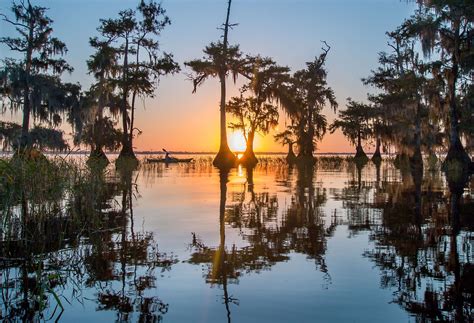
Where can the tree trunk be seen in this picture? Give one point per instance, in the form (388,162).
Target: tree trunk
(305,156)
(134,96)
(132,118)
(377,156)
(360,154)
(456,152)
(127,149)
(309,149)
(97,152)
(307,146)
(25,127)
(416,161)
(290,157)
(224,159)
(249,159)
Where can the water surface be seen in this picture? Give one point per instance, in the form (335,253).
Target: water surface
(187,243)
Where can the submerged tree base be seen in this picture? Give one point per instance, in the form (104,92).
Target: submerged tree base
(457,158)
(248,159)
(456,171)
(360,162)
(98,157)
(225,159)
(376,158)
(127,158)
(360,156)
(290,158)
(457,175)
(125,162)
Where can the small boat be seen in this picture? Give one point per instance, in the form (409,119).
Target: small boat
(169,160)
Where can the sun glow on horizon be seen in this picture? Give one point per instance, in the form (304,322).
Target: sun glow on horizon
(237,141)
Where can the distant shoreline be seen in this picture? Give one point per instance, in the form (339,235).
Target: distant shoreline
(144,152)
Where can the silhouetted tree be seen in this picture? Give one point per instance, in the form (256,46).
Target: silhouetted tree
(402,108)
(31,84)
(256,110)
(447,28)
(39,137)
(103,64)
(310,95)
(220,60)
(288,137)
(378,129)
(130,33)
(354,124)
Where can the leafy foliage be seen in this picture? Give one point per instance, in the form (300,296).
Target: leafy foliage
(102,133)
(32,84)
(40,137)
(256,110)
(307,95)
(133,34)
(354,122)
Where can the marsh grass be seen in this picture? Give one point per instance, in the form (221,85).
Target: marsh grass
(65,225)
(34,192)
(332,162)
(43,203)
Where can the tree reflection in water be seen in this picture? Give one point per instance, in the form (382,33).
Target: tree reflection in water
(422,237)
(80,244)
(270,239)
(81,241)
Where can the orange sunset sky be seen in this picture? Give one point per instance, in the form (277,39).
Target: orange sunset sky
(289,31)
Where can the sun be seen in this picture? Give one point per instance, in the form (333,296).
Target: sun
(237,142)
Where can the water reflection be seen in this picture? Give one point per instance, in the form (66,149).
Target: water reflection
(82,244)
(423,245)
(269,238)
(92,246)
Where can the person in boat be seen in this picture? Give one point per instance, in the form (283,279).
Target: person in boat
(168,158)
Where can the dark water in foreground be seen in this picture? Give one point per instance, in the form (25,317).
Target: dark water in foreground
(184,243)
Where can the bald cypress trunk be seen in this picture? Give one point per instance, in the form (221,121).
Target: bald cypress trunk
(377,156)
(290,157)
(97,151)
(249,159)
(25,128)
(225,158)
(360,154)
(456,152)
(416,161)
(127,149)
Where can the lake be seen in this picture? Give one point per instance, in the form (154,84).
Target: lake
(187,243)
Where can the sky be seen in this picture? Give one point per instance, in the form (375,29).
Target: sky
(289,31)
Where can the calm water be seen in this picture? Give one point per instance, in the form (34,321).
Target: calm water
(185,243)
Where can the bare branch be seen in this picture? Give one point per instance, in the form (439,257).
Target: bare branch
(5,18)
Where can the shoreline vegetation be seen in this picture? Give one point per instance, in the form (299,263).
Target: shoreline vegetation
(154,152)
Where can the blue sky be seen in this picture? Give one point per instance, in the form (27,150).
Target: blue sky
(290,31)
